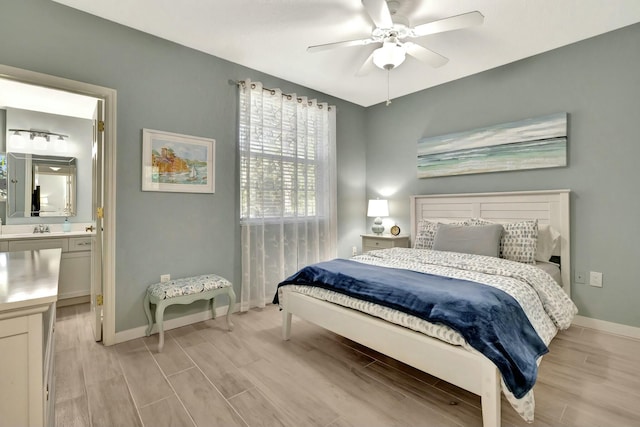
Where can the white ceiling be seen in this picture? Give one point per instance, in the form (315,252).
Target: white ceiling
(272,35)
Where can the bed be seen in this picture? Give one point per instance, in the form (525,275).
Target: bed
(448,359)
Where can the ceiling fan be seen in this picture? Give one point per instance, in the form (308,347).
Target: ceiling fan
(391,30)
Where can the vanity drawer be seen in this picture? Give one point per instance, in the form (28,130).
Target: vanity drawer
(33,244)
(79,244)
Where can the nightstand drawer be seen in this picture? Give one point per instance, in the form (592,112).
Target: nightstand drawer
(371,242)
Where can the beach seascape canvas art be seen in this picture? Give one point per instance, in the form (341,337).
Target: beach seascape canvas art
(527,144)
(179,163)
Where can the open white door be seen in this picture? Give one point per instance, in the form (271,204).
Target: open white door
(97,155)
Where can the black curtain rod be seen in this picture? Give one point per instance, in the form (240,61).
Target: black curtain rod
(273,92)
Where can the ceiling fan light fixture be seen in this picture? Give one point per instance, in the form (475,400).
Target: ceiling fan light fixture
(389,56)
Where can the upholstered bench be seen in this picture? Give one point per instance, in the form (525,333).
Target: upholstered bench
(186,291)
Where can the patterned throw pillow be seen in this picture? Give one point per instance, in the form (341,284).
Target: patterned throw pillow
(426,234)
(519,239)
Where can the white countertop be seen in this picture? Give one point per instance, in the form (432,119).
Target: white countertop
(25,231)
(28,279)
(31,235)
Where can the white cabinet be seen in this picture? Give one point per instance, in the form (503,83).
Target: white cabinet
(27,319)
(75,265)
(75,274)
(26,371)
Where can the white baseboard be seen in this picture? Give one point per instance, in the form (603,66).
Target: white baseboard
(604,326)
(139,332)
(83,299)
(74,294)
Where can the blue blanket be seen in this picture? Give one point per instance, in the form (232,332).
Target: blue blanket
(489,319)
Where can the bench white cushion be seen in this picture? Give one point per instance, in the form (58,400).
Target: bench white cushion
(187,286)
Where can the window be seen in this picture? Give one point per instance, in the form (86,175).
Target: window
(284,143)
(287,188)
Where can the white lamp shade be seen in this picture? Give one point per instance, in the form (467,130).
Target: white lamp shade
(17,140)
(389,56)
(378,208)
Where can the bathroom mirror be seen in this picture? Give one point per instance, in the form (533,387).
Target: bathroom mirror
(40,186)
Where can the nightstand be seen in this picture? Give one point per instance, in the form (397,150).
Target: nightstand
(372,242)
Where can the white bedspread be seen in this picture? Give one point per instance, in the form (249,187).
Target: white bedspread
(547,306)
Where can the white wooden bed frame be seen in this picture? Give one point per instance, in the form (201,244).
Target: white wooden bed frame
(470,371)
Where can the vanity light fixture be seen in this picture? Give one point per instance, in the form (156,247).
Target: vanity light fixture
(40,138)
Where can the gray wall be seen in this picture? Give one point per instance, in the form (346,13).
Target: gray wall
(597,82)
(165,86)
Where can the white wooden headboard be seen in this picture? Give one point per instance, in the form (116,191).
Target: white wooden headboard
(547,206)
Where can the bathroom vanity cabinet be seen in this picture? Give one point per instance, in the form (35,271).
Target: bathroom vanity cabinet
(75,265)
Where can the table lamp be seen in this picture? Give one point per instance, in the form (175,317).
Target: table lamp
(378,208)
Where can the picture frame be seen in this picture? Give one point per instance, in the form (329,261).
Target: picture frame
(533,143)
(177,163)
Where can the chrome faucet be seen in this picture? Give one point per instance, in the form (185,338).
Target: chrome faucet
(41,228)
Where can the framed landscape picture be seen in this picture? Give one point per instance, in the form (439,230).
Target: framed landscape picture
(178,163)
(535,143)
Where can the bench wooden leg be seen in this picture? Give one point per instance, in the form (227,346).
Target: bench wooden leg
(159,321)
(232,306)
(213,308)
(147,311)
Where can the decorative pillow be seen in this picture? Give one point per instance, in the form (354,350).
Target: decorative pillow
(519,240)
(427,232)
(479,240)
(548,238)
(425,235)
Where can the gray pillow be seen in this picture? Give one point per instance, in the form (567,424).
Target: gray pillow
(479,239)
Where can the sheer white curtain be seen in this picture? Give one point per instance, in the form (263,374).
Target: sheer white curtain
(287,187)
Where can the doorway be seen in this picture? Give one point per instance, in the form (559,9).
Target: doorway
(105,217)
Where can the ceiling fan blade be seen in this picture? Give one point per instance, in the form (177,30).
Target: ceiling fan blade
(379,13)
(347,43)
(425,55)
(448,24)
(367,67)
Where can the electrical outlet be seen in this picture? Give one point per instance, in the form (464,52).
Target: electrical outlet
(581,277)
(165,278)
(595,279)
(354,251)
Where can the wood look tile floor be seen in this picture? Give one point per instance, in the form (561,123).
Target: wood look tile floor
(207,376)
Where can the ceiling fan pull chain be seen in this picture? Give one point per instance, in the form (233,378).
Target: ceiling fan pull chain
(388,97)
